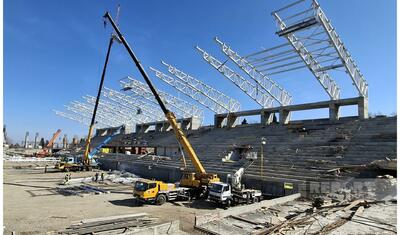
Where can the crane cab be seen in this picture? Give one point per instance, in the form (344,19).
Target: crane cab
(197,180)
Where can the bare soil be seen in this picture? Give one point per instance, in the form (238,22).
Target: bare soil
(32,205)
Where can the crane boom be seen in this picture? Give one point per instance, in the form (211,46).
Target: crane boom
(92,122)
(104,142)
(55,135)
(168,114)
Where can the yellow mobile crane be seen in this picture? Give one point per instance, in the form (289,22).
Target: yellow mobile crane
(199,180)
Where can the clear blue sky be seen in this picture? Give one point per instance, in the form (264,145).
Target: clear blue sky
(54,51)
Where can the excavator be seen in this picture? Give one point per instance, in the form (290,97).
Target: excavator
(46,151)
(199,180)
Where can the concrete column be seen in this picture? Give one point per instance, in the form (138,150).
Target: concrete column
(26,139)
(64,142)
(36,140)
(284,116)
(363,108)
(159,127)
(185,124)
(195,123)
(231,121)
(142,128)
(333,111)
(266,118)
(218,121)
(167,126)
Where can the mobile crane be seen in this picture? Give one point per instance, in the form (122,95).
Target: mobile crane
(77,163)
(197,181)
(233,192)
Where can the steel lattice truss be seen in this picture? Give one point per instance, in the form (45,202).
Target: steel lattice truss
(134,103)
(252,90)
(114,109)
(74,117)
(181,108)
(104,114)
(119,112)
(314,39)
(211,98)
(280,95)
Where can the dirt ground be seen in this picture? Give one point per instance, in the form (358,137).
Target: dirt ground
(33,206)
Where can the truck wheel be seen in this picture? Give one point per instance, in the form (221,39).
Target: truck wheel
(256,199)
(161,199)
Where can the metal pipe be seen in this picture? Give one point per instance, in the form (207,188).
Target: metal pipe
(282,65)
(266,50)
(287,6)
(287,70)
(276,61)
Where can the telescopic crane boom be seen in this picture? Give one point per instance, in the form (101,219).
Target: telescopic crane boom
(189,179)
(86,156)
(51,142)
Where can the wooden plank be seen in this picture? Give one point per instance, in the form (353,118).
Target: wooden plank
(204,230)
(353,204)
(244,220)
(359,211)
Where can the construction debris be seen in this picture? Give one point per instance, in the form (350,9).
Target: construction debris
(301,217)
(127,224)
(81,190)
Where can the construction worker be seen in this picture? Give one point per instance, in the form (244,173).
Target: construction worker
(102,176)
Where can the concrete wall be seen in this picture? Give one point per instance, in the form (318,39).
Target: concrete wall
(172,175)
(146,171)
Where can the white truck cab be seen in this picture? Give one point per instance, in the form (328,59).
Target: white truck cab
(220,192)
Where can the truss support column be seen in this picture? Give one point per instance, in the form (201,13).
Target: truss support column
(142,128)
(363,108)
(158,127)
(195,123)
(166,127)
(218,121)
(284,116)
(266,118)
(333,111)
(231,121)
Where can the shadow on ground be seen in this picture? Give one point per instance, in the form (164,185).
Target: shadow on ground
(131,202)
